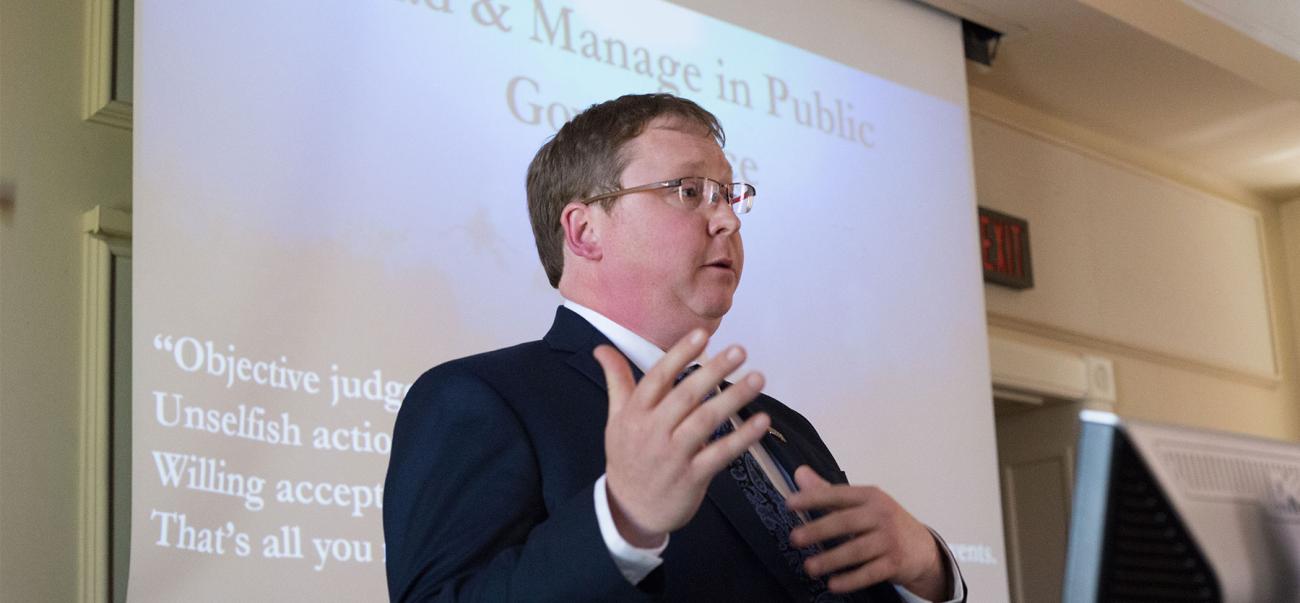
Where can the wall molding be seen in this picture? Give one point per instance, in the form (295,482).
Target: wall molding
(1034,374)
(98,104)
(1118,348)
(106,235)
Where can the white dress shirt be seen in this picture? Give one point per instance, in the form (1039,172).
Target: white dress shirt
(636,563)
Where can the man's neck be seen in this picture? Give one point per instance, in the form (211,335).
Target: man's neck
(662,333)
(641,351)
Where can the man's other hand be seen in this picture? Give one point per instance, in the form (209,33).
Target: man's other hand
(881,541)
(658,457)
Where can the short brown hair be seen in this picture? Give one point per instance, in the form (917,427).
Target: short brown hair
(586,158)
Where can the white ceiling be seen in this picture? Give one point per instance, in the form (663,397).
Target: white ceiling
(1206,89)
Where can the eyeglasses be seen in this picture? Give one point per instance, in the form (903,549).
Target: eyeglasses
(692,191)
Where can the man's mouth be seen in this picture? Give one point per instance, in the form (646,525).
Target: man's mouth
(724,263)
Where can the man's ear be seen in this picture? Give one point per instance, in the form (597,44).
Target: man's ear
(581,236)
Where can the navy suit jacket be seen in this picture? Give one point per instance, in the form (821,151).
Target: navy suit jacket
(489,490)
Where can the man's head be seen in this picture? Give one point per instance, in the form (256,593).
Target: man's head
(642,258)
(587,157)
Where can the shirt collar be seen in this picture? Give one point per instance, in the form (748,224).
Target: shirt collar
(638,349)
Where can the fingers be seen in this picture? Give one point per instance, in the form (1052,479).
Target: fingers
(808,479)
(663,375)
(618,375)
(860,550)
(686,396)
(703,419)
(878,570)
(834,525)
(880,540)
(828,498)
(712,458)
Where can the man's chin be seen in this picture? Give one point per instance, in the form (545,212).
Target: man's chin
(714,310)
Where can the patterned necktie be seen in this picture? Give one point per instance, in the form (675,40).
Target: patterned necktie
(772,511)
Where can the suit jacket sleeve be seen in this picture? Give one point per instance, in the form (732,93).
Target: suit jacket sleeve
(464,517)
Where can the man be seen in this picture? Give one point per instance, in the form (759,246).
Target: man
(556,470)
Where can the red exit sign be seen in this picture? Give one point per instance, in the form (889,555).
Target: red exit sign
(1004,250)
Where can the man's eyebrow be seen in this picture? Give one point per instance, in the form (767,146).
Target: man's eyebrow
(694,168)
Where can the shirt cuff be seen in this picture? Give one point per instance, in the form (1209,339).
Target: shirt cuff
(633,562)
(954,573)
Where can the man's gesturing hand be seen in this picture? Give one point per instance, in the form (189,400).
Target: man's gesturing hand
(658,457)
(882,541)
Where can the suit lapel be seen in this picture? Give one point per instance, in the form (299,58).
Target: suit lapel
(793,448)
(572,333)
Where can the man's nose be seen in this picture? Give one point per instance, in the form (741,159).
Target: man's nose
(723,219)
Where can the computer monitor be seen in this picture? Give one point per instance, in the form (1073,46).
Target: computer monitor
(1164,513)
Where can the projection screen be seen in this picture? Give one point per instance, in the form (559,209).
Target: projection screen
(329,200)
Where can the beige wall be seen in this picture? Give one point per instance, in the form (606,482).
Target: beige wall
(53,167)
(1168,383)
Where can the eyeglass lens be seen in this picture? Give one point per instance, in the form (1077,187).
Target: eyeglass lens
(695,190)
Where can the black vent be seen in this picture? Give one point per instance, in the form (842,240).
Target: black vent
(1149,555)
